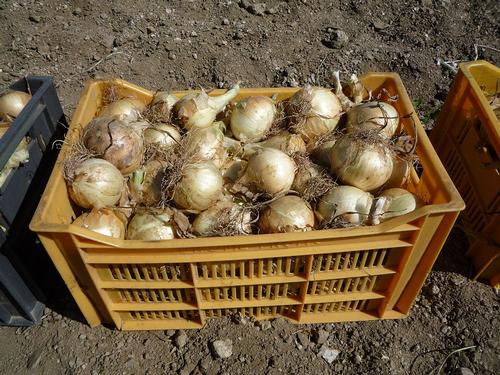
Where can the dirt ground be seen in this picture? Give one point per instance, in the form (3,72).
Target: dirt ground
(181,44)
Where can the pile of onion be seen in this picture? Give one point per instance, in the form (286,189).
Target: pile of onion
(231,164)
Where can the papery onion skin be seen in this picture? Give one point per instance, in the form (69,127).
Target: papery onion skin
(365,165)
(394,202)
(252,118)
(116,142)
(314,111)
(287,214)
(200,186)
(379,117)
(164,135)
(96,183)
(12,103)
(283,141)
(198,110)
(163,102)
(102,221)
(127,109)
(223,213)
(145,183)
(400,176)
(207,143)
(155,225)
(345,203)
(270,171)
(321,154)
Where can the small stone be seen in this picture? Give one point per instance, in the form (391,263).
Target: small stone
(329,355)
(426,3)
(464,371)
(82,337)
(225,21)
(150,30)
(379,25)
(170,332)
(206,363)
(34,359)
(272,10)
(358,359)
(77,11)
(435,290)
(194,34)
(303,339)
(222,348)
(180,339)
(240,319)
(320,336)
(384,357)
(239,35)
(264,324)
(336,38)
(195,56)
(257,9)
(171,55)
(35,19)
(108,41)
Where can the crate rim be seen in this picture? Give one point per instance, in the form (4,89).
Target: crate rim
(455,201)
(493,131)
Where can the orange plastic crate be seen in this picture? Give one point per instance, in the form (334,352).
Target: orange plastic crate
(332,275)
(467,138)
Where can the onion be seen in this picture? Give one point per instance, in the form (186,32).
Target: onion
(394,202)
(270,171)
(103,221)
(224,219)
(127,109)
(145,184)
(116,142)
(233,169)
(361,163)
(198,110)
(283,141)
(313,111)
(96,183)
(200,186)
(321,154)
(164,135)
(206,143)
(252,117)
(12,103)
(379,117)
(400,173)
(20,156)
(155,225)
(311,180)
(287,214)
(162,104)
(346,204)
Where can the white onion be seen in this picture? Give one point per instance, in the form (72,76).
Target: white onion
(378,117)
(206,143)
(345,203)
(252,118)
(269,171)
(400,175)
(311,180)
(283,141)
(155,225)
(394,202)
(233,169)
(364,164)
(224,218)
(103,221)
(314,111)
(162,104)
(145,183)
(127,109)
(287,214)
(164,135)
(96,183)
(116,142)
(200,186)
(198,110)
(321,153)
(20,156)
(12,103)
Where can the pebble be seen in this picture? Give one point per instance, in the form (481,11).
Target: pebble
(194,34)
(170,332)
(35,19)
(379,25)
(329,355)
(336,38)
(82,337)
(150,30)
(171,55)
(264,325)
(77,11)
(222,348)
(180,339)
(303,339)
(257,9)
(34,358)
(195,56)
(205,363)
(320,336)
(435,290)
(239,35)
(358,359)
(225,21)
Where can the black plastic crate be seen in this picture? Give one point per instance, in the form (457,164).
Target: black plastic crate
(22,268)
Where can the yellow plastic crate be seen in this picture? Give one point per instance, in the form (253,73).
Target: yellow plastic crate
(467,138)
(332,275)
